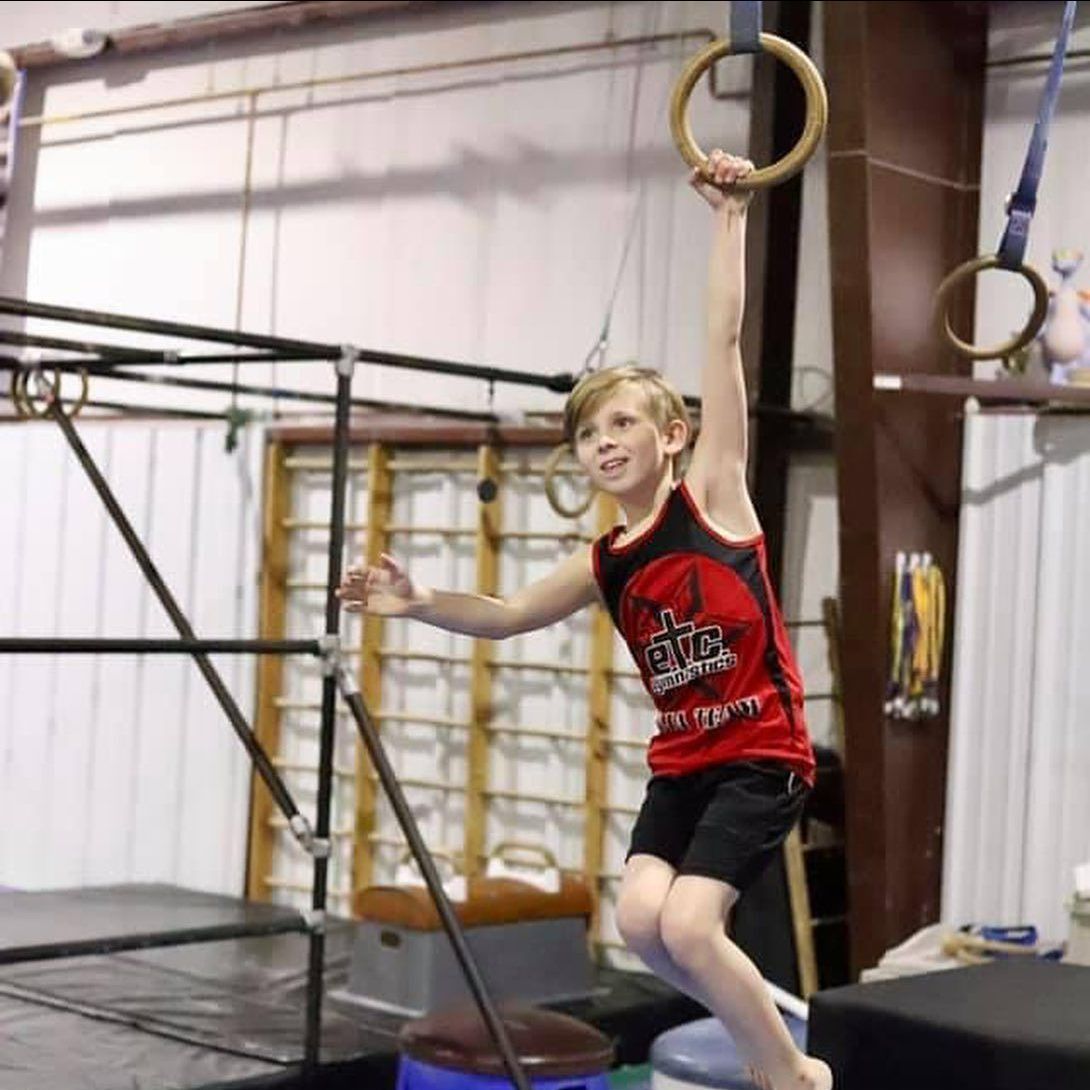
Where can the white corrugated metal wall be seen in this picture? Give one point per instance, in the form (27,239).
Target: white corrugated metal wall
(117,768)
(1018,809)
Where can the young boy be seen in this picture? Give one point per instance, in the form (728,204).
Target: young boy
(686,582)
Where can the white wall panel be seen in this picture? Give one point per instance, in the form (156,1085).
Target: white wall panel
(116,768)
(23,24)
(1061,218)
(1016,811)
(1017,815)
(1058,825)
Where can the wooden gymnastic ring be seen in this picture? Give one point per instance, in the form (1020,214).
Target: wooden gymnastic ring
(24,401)
(971,268)
(18,394)
(817,110)
(552,464)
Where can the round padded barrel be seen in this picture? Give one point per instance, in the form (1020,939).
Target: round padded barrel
(702,1054)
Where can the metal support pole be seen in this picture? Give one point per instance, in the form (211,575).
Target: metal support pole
(112,944)
(183,330)
(345,367)
(274,393)
(13,645)
(560,383)
(351,693)
(279,792)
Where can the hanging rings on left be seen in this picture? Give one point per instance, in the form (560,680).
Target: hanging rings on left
(34,395)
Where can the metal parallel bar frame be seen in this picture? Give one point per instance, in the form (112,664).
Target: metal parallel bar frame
(67,344)
(117,943)
(335,674)
(807,430)
(198,649)
(316,961)
(315,350)
(105,645)
(274,393)
(132,409)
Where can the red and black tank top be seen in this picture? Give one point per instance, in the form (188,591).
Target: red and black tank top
(698,614)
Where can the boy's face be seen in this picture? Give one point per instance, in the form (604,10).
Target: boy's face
(620,444)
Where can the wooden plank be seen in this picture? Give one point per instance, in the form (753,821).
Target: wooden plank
(1020,391)
(271,625)
(598,748)
(379,503)
(802,925)
(489,523)
(830,611)
(414,432)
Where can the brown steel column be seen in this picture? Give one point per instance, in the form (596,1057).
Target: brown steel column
(905,84)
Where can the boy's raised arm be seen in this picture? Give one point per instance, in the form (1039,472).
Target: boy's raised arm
(717,472)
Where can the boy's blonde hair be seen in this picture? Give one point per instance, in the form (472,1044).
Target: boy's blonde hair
(663,401)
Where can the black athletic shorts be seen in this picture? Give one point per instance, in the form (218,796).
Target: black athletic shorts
(724,822)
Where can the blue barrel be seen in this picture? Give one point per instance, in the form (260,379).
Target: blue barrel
(702,1054)
(453,1050)
(414,1075)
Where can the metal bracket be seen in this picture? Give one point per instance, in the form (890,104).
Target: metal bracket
(1012,247)
(329,649)
(315,920)
(346,682)
(350,354)
(318,847)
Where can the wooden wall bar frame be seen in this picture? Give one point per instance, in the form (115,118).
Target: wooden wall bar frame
(379,505)
(272,615)
(598,746)
(478,746)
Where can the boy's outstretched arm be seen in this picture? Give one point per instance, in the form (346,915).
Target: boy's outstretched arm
(389,592)
(717,471)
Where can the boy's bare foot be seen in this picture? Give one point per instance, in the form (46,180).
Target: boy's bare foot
(815,1075)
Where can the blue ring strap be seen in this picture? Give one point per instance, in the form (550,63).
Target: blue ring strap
(745,26)
(1023,201)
